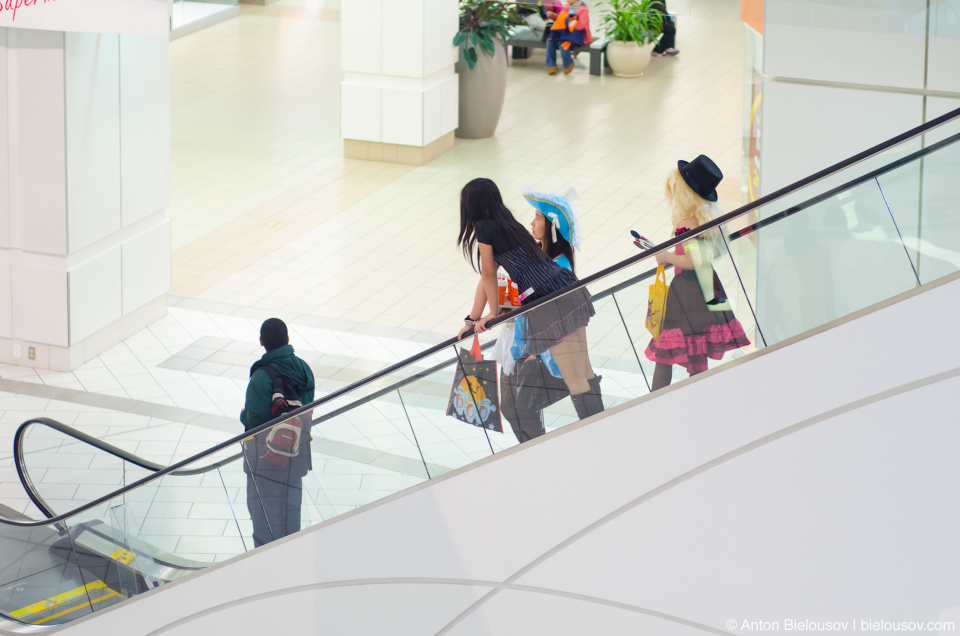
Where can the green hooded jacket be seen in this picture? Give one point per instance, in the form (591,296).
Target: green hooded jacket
(259,389)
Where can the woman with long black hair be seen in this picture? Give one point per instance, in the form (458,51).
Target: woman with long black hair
(559,326)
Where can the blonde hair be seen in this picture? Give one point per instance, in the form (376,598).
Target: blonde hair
(686,204)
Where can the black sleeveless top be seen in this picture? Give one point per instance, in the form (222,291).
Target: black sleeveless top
(525,269)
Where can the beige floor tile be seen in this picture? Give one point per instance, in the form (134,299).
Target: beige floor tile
(266,211)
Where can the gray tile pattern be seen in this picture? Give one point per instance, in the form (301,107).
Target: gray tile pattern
(118,404)
(172,390)
(308,320)
(231,358)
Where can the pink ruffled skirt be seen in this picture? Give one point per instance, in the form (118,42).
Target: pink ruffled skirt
(692,351)
(692,333)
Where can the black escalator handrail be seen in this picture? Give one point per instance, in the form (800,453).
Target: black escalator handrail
(716,223)
(439,367)
(44,507)
(766,200)
(829,194)
(24,475)
(110,449)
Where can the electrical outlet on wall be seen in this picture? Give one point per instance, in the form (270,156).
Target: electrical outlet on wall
(32,353)
(17,351)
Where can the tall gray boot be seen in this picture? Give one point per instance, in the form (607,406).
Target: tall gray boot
(593,399)
(591,402)
(579,403)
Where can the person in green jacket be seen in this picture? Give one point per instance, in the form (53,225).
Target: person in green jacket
(275,480)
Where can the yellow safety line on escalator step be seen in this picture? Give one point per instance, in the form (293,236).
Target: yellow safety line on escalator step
(109,594)
(123,556)
(59,599)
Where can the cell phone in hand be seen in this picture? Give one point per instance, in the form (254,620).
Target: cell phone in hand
(642,242)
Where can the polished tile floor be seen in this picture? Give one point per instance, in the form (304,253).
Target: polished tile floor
(186,12)
(267,214)
(360,257)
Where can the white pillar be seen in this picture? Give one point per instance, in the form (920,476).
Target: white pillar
(399,93)
(85,253)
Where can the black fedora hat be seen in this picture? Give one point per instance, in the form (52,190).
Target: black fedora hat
(702,175)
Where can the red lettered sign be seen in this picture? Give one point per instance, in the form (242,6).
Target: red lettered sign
(91,16)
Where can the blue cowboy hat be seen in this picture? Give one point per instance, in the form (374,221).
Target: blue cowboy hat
(559,213)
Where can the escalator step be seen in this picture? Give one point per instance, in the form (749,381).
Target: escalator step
(83,597)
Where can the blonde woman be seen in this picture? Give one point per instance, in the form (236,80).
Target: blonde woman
(698,323)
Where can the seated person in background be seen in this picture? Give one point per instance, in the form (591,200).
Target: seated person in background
(551,9)
(570,29)
(667,43)
(538,16)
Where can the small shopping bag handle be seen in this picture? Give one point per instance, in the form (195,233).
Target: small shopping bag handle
(661,276)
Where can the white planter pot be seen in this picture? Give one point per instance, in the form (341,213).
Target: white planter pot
(629,59)
(482,91)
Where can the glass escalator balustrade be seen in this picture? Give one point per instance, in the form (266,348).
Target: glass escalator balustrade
(863,233)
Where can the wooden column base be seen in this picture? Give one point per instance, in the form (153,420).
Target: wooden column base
(394,153)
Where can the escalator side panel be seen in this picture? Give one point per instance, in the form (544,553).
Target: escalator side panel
(40,581)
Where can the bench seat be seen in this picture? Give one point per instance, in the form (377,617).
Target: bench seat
(597,50)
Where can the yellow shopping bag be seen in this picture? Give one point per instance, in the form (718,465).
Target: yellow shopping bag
(657,303)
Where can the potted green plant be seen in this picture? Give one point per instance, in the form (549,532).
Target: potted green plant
(484,27)
(633,26)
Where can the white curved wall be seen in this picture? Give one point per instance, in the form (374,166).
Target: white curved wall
(818,481)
